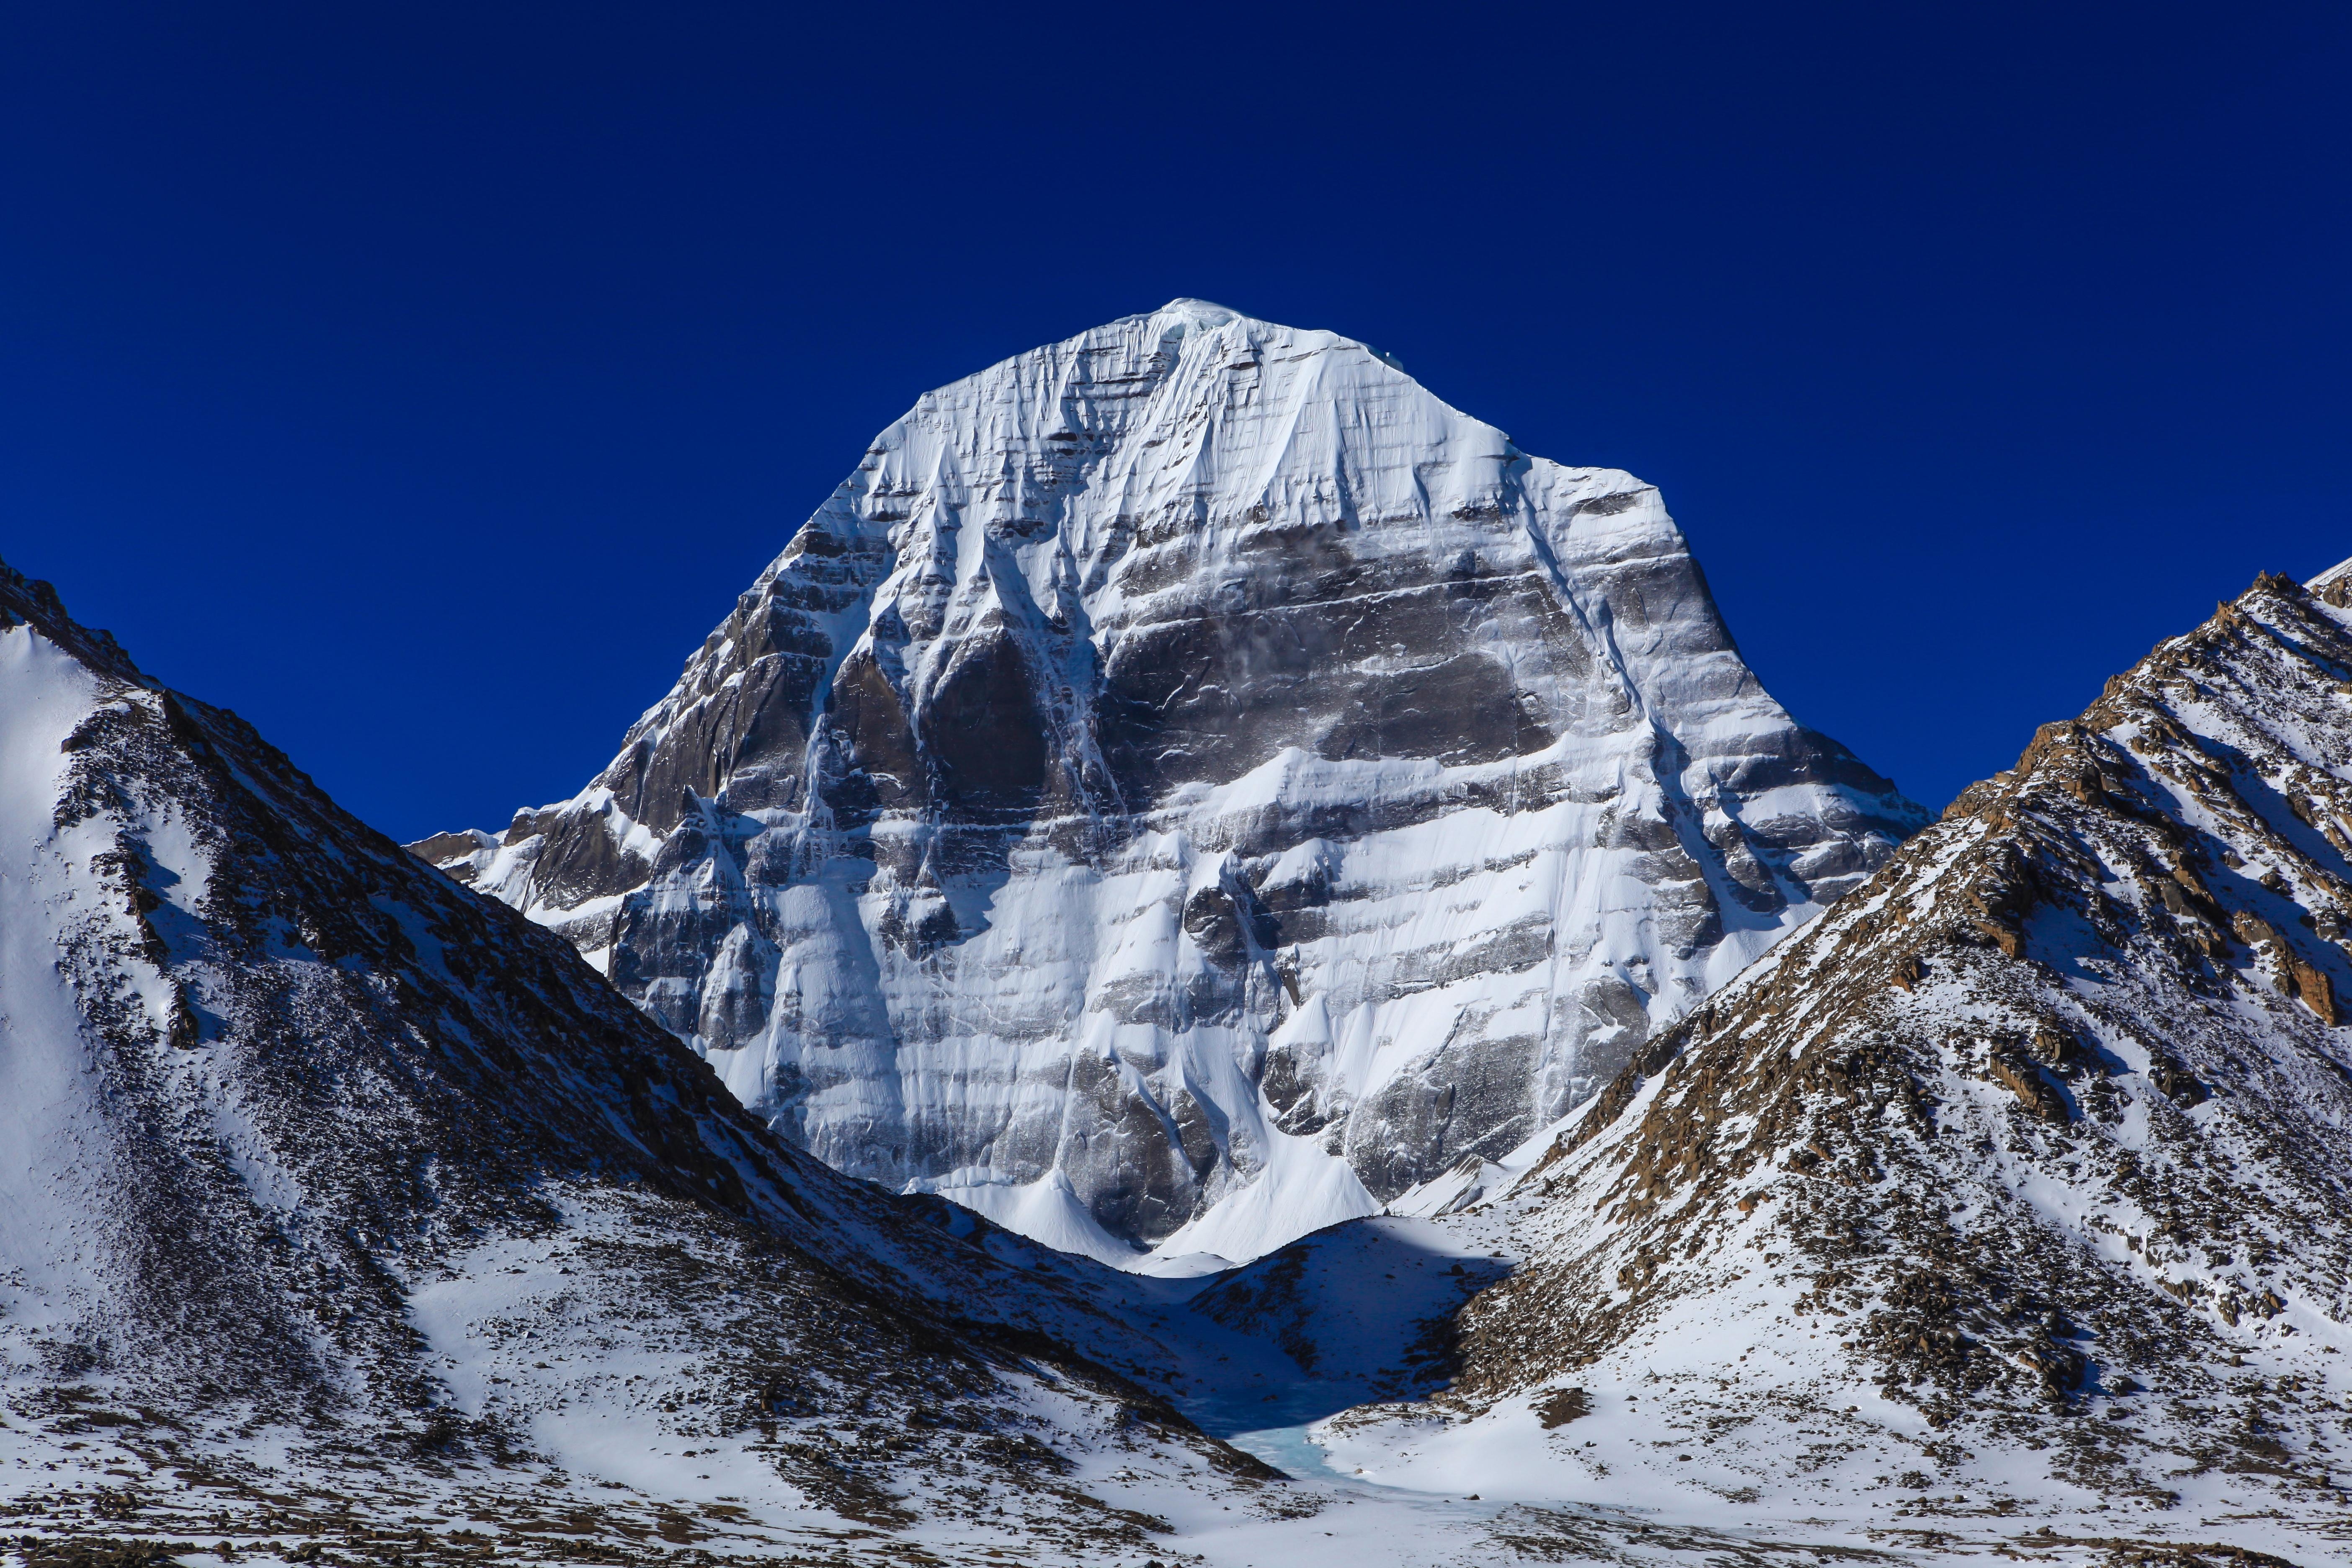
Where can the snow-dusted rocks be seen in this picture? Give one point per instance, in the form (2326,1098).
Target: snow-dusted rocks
(1189,785)
(2013,1198)
(336,1201)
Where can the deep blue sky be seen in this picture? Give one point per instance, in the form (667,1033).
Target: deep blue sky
(424,383)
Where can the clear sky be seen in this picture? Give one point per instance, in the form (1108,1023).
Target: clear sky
(424,382)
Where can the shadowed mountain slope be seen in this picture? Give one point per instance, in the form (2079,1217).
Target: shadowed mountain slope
(333,1192)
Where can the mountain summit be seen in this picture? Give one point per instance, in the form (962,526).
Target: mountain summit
(1189,785)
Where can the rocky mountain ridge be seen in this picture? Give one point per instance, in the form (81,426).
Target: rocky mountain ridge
(2009,1203)
(1187,786)
(335,1200)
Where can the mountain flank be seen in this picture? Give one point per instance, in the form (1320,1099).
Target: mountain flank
(2016,1188)
(340,1205)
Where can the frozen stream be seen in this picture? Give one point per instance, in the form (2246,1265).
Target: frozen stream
(1291,1451)
(1275,1431)
(1349,1307)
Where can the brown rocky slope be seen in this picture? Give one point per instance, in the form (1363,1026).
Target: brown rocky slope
(2027,1169)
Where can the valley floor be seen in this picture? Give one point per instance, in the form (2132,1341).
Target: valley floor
(1694,1461)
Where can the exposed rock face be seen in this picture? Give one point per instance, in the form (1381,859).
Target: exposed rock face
(2050,1120)
(311,1159)
(1190,765)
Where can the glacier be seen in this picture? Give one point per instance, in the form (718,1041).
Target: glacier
(1189,786)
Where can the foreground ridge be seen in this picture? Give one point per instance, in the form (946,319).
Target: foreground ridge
(2019,1185)
(1189,786)
(339,1205)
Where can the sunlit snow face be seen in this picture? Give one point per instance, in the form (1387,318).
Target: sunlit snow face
(965,848)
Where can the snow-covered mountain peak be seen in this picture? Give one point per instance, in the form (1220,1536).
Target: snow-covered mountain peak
(2338,572)
(1196,313)
(1193,763)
